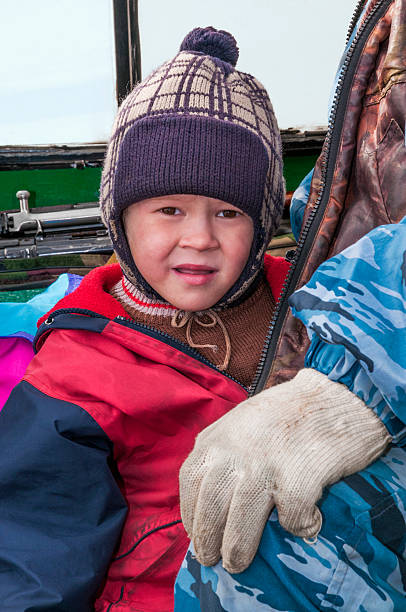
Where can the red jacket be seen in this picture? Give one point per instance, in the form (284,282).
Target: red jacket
(125,405)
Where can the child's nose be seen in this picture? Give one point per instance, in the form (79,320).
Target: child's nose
(199,234)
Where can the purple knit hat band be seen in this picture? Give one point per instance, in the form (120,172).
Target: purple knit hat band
(198,126)
(197,155)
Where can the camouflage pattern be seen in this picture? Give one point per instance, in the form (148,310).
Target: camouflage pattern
(354,308)
(358,563)
(367,164)
(298,203)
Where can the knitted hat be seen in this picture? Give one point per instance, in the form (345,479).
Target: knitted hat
(196,126)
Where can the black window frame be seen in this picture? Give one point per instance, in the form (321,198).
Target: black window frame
(128,49)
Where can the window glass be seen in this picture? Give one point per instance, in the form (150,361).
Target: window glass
(57,74)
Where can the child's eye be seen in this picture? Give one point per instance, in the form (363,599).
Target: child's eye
(169,210)
(229,214)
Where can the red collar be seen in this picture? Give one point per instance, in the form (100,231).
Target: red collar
(92,294)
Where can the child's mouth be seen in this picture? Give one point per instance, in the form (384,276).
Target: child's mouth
(195,275)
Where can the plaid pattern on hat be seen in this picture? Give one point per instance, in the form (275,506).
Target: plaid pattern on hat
(196,125)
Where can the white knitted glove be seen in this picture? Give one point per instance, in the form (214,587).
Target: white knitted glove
(280,447)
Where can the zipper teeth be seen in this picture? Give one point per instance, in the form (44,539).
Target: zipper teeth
(356,15)
(324,164)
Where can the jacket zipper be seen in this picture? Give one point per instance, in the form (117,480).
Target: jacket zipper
(143,537)
(178,344)
(128,322)
(327,167)
(115,603)
(357,14)
(148,533)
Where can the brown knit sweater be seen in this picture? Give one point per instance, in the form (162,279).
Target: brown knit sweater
(231,339)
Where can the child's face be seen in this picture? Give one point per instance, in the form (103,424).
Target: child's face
(190,249)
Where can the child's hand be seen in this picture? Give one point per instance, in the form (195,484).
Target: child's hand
(278,448)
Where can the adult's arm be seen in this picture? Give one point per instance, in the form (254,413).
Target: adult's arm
(354,308)
(333,419)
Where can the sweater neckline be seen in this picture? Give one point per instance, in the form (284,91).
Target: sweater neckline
(134,301)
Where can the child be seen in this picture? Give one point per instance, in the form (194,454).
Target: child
(145,354)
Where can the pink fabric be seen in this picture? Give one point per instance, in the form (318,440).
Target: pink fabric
(15,354)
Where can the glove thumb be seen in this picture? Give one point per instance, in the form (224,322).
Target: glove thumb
(300,519)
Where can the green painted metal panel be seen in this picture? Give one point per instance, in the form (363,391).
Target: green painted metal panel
(296,168)
(50,187)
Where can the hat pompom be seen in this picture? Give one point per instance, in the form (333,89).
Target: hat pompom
(217,43)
